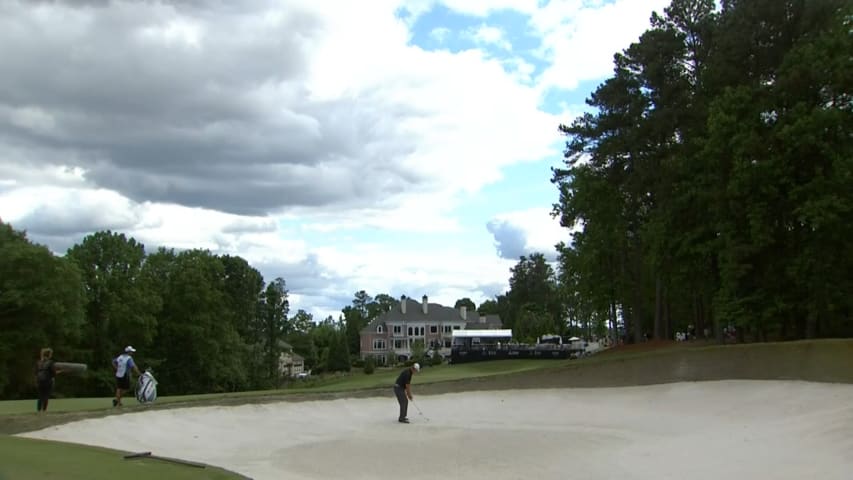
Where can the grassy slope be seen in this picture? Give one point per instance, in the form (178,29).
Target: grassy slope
(824,361)
(24,458)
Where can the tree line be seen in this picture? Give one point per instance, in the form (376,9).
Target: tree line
(712,179)
(201,322)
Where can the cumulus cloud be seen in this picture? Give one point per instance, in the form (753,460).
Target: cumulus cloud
(209,124)
(510,240)
(439,34)
(574,41)
(527,231)
(255,110)
(490,35)
(73,212)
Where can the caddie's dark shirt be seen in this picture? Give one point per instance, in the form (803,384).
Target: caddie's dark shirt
(405,378)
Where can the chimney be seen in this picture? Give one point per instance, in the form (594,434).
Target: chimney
(403,304)
(463,310)
(425,304)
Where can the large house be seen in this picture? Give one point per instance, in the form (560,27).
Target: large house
(290,363)
(394,332)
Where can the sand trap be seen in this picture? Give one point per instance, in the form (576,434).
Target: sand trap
(710,430)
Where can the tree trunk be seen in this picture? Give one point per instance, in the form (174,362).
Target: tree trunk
(658,329)
(693,325)
(700,321)
(638,299)
(667,328)
(613,321)
(638,317)
(811,319)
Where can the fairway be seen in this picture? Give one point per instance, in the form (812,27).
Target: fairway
(356,380)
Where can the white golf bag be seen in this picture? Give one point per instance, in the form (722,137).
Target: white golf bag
(146,388)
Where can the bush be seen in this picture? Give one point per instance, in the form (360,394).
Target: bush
(391,359)
(369,365)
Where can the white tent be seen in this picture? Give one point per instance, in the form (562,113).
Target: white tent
(482,333)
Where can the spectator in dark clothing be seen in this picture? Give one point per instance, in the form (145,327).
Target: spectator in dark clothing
(403,390)
(45,372)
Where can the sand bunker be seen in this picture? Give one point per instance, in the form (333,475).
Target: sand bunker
(709,430)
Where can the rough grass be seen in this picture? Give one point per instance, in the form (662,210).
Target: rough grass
(25,458)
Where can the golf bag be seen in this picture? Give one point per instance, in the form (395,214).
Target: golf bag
(146,388)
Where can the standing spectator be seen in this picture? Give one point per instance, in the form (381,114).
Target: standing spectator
(45,372)
(122,366)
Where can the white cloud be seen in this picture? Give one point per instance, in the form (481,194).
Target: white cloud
(527,231)
(439,34)
(483,8)
(490,35)
(579,38)
(252,110)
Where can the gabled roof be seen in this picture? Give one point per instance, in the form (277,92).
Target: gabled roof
(436,313)
(491,321)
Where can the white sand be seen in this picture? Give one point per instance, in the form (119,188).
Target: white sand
(710,430)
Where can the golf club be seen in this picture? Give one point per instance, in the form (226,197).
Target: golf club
(419,410)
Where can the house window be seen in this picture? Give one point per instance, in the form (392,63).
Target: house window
(411,330)
(379,329)
(448,329)
(398,329)
(456,327)
(433,329)
(398,344)
(447,344)
(416,331)
(378,344)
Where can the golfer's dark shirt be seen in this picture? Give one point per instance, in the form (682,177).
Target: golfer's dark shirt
(405,378)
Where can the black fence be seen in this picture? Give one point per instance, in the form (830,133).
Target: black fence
(485,353)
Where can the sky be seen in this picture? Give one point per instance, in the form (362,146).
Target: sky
(393,146)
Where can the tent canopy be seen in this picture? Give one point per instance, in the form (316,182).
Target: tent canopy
(482,333)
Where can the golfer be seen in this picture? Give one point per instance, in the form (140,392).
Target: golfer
(122,366)
(45,372)
(403,390)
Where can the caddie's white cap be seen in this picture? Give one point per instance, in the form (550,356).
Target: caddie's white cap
(129,349)
(417,367)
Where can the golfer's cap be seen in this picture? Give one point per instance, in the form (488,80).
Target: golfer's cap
(417,367)
(129,349)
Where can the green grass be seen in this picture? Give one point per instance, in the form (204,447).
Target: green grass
(821,360)
(357,380)
(25,458)
(427,375)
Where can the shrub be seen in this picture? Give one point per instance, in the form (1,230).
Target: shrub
(369,365)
